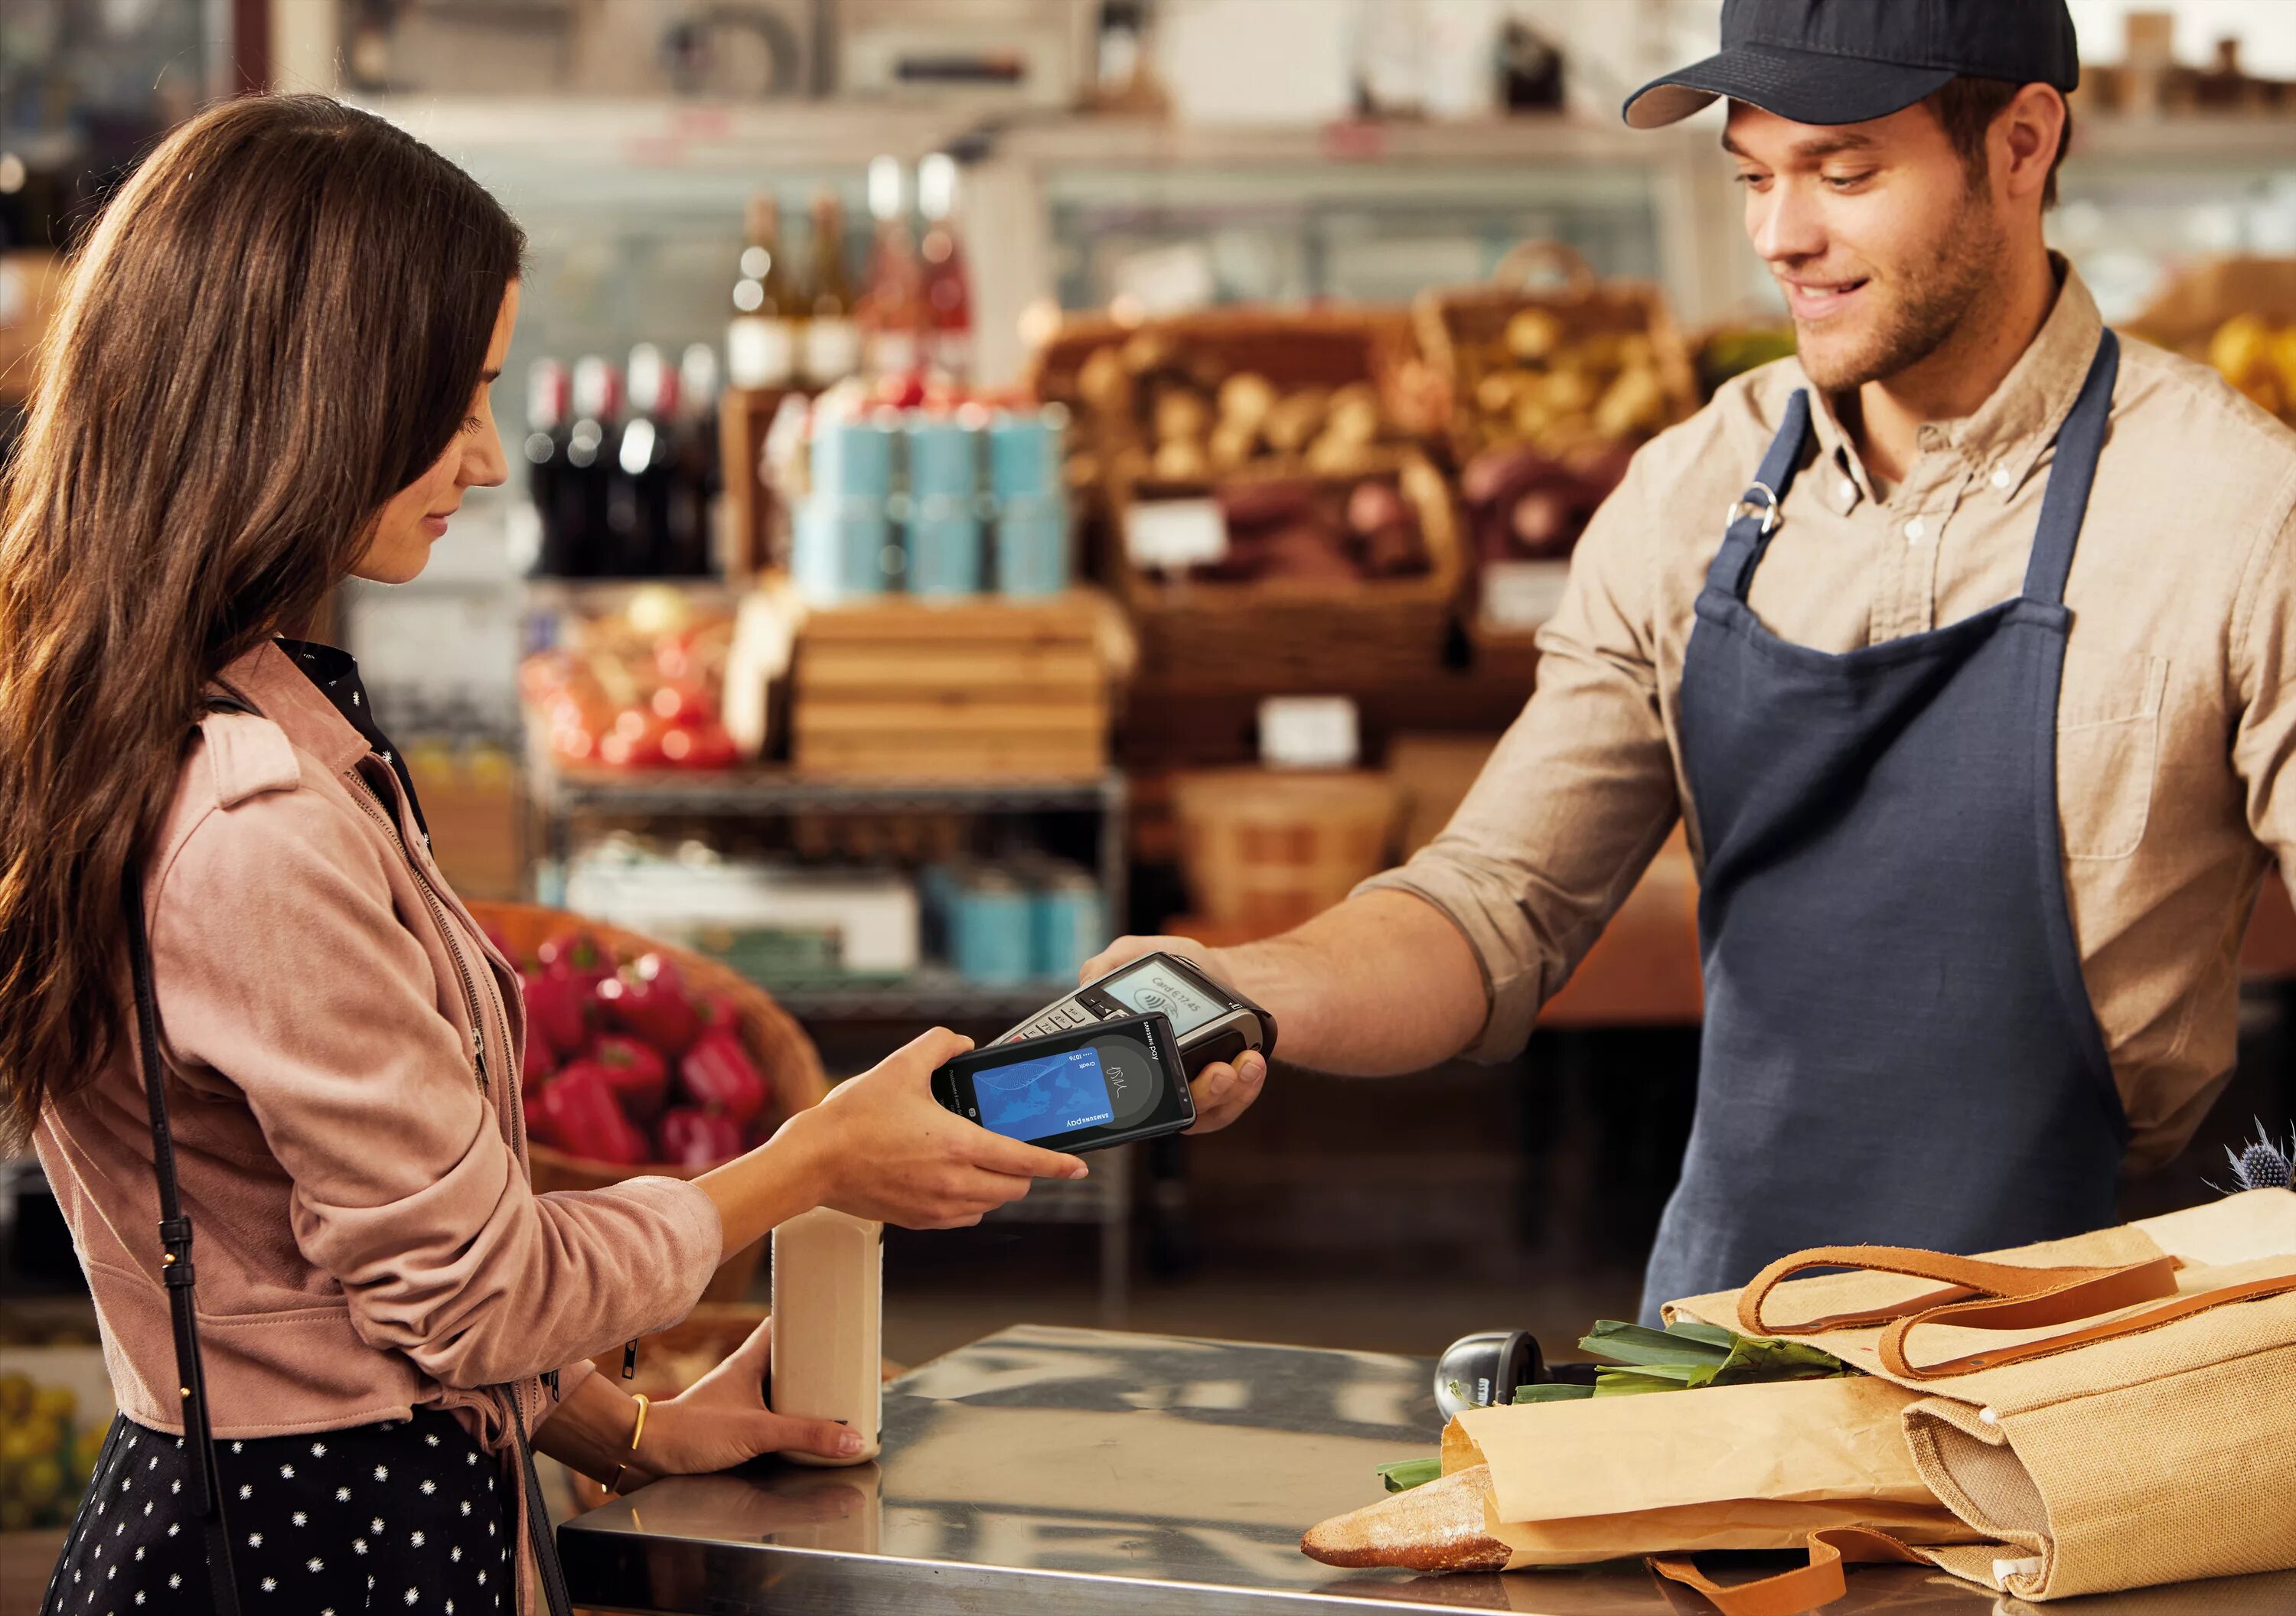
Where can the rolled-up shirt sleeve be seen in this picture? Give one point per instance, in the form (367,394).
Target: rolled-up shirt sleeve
(283,967)
(1580,792)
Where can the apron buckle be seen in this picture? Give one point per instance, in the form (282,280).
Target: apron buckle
(1748,505)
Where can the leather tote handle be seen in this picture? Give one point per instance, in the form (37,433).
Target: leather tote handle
(1986,1296)
(1805,1588)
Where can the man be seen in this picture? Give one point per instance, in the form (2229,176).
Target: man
(1965,645)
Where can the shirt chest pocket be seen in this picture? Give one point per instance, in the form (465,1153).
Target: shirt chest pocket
(2108,750)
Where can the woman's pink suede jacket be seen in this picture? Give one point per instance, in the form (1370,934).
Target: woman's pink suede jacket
(343,1047)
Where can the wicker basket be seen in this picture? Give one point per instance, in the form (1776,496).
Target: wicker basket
(1454,324)
(1283,635)
(1263,851)
(772,1036)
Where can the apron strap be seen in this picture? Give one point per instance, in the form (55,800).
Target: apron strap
(2079,441)
(1755,516)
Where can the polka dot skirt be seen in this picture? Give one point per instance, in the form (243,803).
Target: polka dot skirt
(408,1515)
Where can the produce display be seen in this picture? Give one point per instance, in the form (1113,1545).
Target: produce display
(627,1065)
(1310,529)
(640,689)
(1563,390)
(1524,504)
(1184,414)
(46,1453)
(2259,356)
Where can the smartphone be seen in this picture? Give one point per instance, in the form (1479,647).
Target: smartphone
(1086,1088)
(1214,1022)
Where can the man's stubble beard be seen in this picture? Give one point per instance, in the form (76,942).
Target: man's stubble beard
(1941,296)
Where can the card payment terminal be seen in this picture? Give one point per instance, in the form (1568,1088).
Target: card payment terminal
(1215,1022)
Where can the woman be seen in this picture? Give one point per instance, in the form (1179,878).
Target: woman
(270,374)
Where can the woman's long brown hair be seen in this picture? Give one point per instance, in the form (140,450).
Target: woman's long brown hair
(278,322)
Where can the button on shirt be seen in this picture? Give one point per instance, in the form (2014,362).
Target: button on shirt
(2176,720)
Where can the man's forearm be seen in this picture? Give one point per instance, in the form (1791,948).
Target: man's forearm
(1381,985)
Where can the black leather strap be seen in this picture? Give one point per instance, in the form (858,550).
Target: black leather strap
(175,1269)
(538,1516)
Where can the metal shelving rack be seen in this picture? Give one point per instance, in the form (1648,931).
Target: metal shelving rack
(559,797)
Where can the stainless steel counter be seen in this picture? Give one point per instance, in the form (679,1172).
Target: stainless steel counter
(1075,1472)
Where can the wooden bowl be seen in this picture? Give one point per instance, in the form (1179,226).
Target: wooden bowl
(770,1035)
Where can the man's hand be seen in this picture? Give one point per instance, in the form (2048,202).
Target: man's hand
(887,1150)
(1222,1092)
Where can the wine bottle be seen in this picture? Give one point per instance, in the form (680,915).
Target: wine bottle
(593,441)
(947,288)
(547,484)
(892,308)
(689,550)
(833,340)
(761,340)
(638,481)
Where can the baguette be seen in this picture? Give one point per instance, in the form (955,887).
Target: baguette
(1439,1527)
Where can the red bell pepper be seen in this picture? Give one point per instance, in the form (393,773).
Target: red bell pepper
(697,1138)
(640,1076)
(649,999)
(576,956)
(556,1015)
(576,1111)
(718,1075)
(537,1061)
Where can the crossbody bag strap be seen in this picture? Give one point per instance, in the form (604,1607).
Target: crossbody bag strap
(546,1566)
(176,1268)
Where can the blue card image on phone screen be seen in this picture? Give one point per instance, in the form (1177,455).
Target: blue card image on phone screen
(1053,1094)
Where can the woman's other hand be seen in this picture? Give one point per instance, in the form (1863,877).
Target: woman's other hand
(887,1150)
(722,1420)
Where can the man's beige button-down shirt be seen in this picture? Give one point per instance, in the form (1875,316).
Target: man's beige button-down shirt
(2175,722)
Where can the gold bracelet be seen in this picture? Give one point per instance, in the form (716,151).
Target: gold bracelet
(637,1434)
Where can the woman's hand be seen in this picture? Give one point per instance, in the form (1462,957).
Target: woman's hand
(885,1149)
(722,1420)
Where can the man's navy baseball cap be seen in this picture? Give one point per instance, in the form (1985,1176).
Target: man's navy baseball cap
(1842,61)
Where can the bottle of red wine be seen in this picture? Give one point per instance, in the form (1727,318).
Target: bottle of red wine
(593,443)
(549,402)
(688,546)
(644,467)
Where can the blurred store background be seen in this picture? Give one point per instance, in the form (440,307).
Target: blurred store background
(992,473)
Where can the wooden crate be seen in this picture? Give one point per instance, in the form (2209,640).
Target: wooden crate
(989,688)
(1281,635)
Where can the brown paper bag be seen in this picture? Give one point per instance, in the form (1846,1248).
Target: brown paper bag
(2152,1442)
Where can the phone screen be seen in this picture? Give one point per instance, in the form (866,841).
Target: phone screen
(1155,985)
(1114,1080)
(1034,1099)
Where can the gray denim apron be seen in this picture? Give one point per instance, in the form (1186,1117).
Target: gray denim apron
(1899,1049)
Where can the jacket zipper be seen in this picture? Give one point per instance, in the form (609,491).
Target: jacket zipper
(446,929)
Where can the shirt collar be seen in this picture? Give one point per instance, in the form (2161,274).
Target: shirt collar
(2013,428)
(278,689)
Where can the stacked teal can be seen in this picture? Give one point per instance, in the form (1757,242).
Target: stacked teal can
(902,502)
